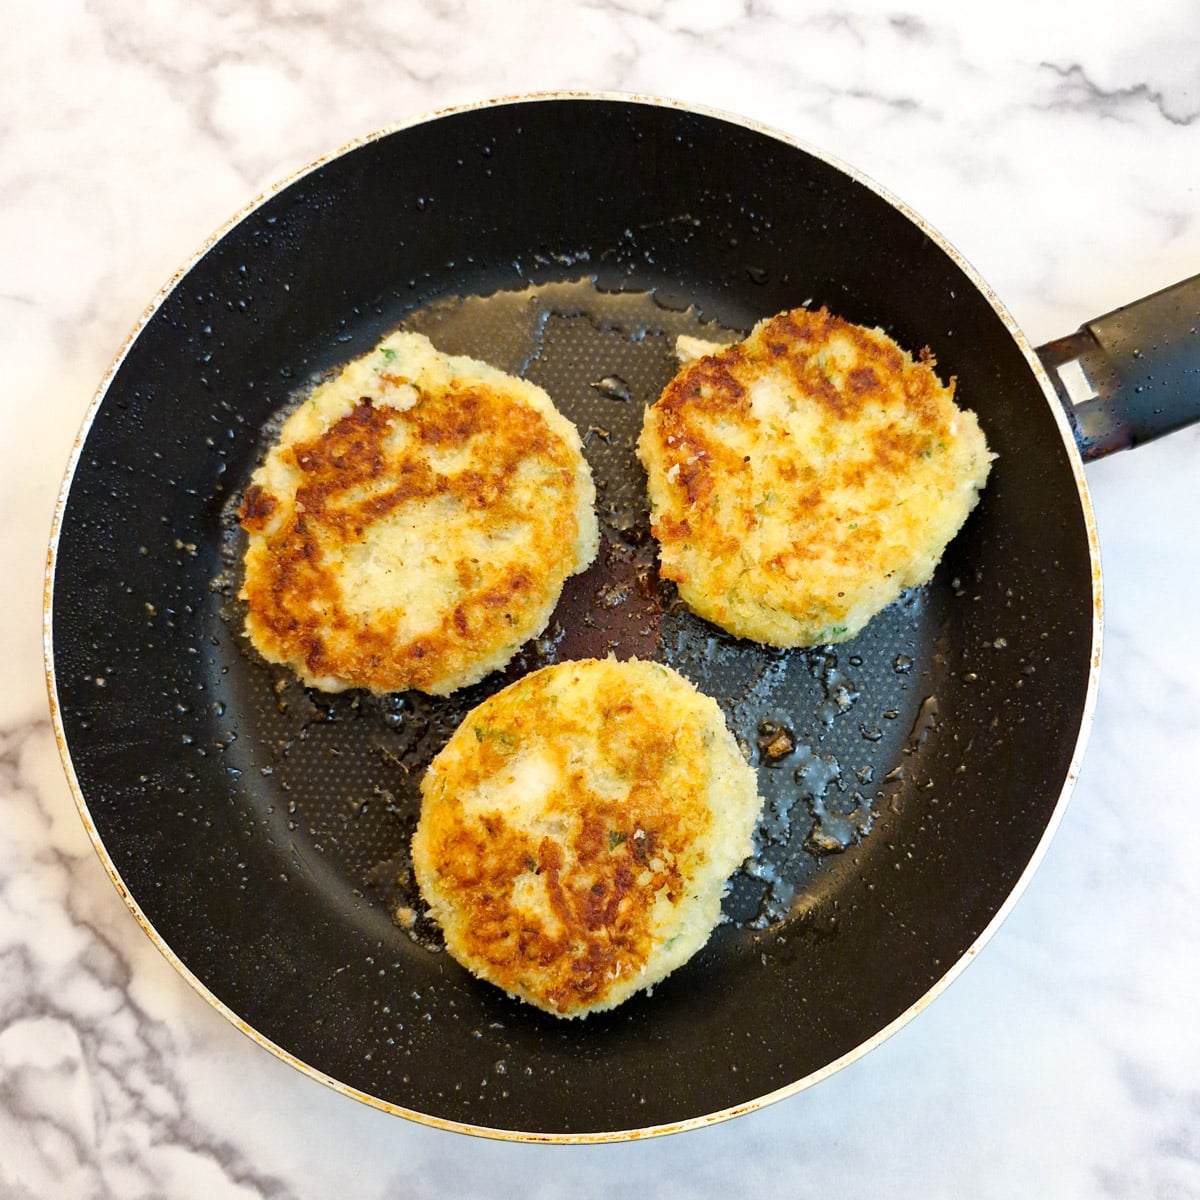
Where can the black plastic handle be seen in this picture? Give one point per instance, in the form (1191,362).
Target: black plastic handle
(1132,375)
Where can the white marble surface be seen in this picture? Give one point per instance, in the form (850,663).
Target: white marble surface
(1056,145)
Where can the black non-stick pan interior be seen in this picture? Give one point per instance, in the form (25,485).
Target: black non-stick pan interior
(911,776)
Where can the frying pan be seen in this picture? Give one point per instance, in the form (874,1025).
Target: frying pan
(912,778)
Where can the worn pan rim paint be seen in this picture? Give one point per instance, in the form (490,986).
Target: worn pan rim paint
(1032,863)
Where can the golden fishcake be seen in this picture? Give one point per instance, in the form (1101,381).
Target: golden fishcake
(578,830)
(801,479)
(414,524)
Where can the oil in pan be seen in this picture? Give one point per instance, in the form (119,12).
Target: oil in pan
(833,731)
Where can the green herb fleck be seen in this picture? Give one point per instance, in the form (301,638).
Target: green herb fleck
(486,732)
(615,838)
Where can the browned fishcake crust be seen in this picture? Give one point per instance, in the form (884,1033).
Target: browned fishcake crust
(414,538)
(578,830)
(802,478)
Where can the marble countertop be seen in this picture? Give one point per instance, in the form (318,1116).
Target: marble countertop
(1056,146)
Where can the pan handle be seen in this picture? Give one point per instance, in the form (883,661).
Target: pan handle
(1132,375)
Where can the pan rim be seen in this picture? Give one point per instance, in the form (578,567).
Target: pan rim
(902,1019)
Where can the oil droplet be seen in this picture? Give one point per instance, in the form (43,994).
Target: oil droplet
(902,664)
(614,387)
(926,722)
(841,692)
(816,773)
